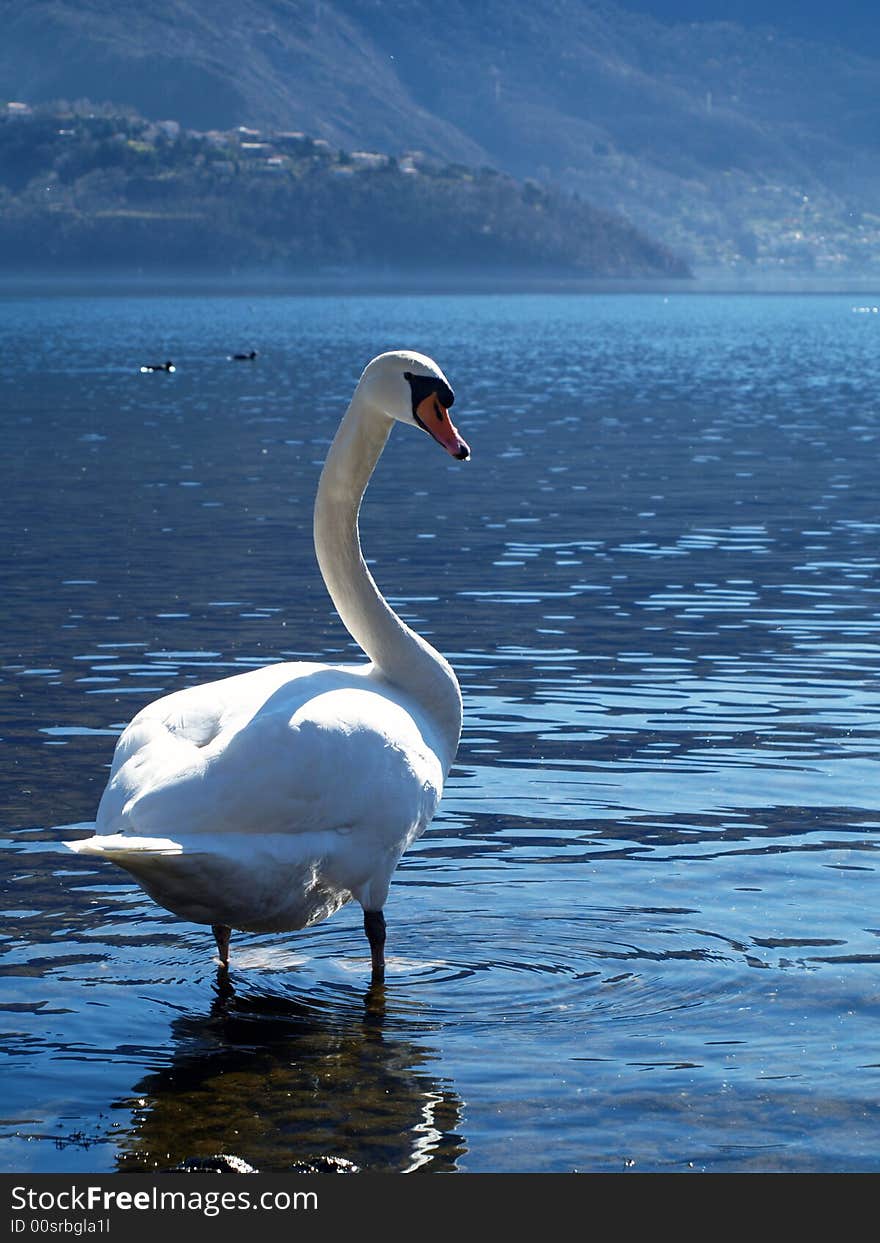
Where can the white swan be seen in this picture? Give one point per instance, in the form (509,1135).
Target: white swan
(267,800)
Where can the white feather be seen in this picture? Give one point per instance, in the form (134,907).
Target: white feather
(266,800)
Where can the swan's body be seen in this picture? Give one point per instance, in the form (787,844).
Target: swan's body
(266,801)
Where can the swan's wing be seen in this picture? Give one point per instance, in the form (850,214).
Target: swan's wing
(258,883)
(270,752)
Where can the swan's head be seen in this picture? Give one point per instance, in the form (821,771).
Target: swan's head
(412,389)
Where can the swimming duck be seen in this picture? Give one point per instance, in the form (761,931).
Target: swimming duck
(166,366)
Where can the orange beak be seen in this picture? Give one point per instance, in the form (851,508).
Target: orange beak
(433,416)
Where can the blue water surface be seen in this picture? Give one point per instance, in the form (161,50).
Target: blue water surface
(642,932)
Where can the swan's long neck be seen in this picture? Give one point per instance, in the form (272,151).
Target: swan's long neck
(399,654)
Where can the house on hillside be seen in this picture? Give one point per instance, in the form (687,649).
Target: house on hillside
(368,159)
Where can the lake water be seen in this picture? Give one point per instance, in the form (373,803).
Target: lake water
(643,931)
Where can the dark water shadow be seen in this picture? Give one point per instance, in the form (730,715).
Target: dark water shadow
(275,1082)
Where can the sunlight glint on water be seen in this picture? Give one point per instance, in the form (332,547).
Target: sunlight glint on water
(642,928)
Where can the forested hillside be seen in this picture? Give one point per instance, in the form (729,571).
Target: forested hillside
(84,191)
(741,148)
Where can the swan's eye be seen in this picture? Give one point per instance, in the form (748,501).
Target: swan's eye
(422,386)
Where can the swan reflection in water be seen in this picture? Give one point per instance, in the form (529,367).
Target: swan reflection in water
(276,1081)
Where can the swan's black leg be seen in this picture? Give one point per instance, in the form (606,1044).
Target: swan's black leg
(221,936)
(374,927)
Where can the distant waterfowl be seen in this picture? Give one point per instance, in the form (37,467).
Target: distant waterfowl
(243,358)
(267,800)
(166,366)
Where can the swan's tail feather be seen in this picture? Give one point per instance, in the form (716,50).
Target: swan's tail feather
(117,846)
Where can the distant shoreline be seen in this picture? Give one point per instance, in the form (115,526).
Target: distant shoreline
(340,284)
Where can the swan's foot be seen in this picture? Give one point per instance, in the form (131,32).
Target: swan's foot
(221,936)
(374,927)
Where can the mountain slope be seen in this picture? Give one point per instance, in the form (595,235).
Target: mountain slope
(84,192)
(731,145)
